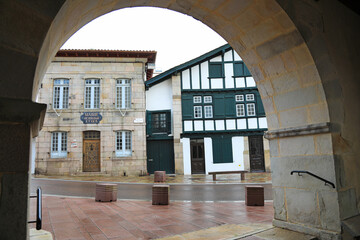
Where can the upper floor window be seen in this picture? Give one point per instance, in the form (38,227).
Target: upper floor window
(61,94)
(123,93)
(160,122)
(250,109)
(92,93)
(197,99)
(197,111)
(208,111)
(123,143)
(239,98)
(58,145)
(240,110)
(207,99)
(250,97)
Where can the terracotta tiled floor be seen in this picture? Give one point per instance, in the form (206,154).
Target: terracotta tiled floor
(78,218)
(188,179)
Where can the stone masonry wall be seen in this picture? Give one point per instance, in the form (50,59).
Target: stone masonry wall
(68,120)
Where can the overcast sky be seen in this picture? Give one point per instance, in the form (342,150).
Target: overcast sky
(176,37)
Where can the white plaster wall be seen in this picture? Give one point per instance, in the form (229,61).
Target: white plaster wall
(159,96)
(228,56)
(238,159)
(185,79)
(186,155)
(195,80)
(204,75)
(229,73)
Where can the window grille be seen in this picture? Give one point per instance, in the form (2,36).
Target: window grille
(61,94)
(207,99)
(197,99)
(240,110)
(250,97)
(123,143)
(58,145)
(197,112)
(123,94)
(250,109)
(239,98)
(92,93)
(208,111)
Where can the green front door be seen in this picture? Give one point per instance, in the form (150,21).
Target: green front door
(160,156)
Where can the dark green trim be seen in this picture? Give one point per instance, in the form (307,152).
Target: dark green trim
(233,133)
(166,75)
(159,137)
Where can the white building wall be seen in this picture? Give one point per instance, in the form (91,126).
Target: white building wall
(186,155)
(159,96)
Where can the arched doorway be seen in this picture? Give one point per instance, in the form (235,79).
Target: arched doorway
(294,61)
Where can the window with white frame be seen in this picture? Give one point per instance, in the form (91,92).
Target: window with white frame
(197,111)
(92,93)
(208,111)
(239,98)
(207,99)
(58,145)
(240,110)
(123,94)
(250,97)
(197,99)
(61,94)
(250,109)
(123,143)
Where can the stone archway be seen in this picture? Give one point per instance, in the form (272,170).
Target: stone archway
(294,61)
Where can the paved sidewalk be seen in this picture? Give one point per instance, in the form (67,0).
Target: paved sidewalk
(79,218)
(172,179)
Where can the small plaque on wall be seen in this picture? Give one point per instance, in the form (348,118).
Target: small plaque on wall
(91,117)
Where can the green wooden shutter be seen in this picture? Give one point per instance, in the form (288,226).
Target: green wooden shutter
(222,149)
(230,105)
(148,123)
(215,70)
(219,105)
(187,106)
(168,122)
(238,69)
(260,111)
(246,71)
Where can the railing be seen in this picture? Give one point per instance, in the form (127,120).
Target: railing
(38,209)
(315,176)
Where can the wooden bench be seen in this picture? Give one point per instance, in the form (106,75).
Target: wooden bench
(242,174)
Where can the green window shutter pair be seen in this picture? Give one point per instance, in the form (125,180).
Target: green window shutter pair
(224,105)
(168,122)
(187,106)
(222,149)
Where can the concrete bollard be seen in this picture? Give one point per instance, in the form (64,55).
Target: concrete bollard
(106,192)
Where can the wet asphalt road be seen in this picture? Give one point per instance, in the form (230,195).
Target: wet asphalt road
(143,191)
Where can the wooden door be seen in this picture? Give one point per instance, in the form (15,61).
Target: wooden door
(197,157)
(256,152)
(91,152)
(160,156)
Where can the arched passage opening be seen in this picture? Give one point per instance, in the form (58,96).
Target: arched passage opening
(290,60)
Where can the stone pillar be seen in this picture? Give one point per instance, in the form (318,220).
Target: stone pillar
(304,203)
(177,124)
(20,120)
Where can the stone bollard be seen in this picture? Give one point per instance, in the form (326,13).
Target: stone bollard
(106,192)
(159,176)
(160,194)
(254,195)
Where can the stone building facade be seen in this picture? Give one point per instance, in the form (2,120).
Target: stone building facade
(95,119)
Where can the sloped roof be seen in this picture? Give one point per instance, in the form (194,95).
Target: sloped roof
(150,55)
(165,75)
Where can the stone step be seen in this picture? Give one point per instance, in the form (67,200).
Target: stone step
(277,234)
(40,235)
